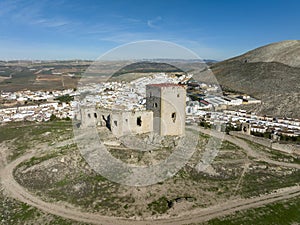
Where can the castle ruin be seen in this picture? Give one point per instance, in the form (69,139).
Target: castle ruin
(164,114)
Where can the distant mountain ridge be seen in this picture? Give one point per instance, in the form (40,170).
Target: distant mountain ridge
(286,52)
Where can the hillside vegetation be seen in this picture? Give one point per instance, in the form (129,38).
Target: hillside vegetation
(266,73)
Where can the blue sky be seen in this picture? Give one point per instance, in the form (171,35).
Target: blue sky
(86,29)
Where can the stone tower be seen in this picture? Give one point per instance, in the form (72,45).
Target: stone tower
(168,102)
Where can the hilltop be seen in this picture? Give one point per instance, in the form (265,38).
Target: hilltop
(270,73)
(285,52)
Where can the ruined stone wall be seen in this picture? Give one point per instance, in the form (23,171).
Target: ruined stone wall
(246,128)
(124,123)
(88,117)
(117,124)
(287,148)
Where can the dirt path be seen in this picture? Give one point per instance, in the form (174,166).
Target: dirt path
(260,156)
(3,154)
(13,189)
(245,169)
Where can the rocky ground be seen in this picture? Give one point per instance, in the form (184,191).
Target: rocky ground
(63,175)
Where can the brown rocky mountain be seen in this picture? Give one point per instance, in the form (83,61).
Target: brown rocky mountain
(270,73)
(286,52)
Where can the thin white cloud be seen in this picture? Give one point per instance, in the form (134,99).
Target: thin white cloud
(116,29)
(154,22)
(7,6)
(50,22)
(122,18)
(30,13)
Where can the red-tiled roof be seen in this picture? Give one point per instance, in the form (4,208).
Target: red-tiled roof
(204,102)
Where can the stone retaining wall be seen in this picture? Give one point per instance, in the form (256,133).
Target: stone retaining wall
(287,148)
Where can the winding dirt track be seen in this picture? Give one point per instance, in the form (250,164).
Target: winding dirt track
(13,189)
(243,144)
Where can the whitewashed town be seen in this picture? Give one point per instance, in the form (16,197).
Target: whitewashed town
(209,107)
